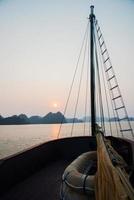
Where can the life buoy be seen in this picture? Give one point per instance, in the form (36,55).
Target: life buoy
(76,183)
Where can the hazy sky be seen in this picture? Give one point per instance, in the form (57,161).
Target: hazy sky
(39,45)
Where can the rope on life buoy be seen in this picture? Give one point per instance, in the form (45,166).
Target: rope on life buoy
(76,180)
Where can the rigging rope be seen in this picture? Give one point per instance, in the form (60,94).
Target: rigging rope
(99,87)
(108,89)
(100,99)
(87,90)
(71,87)
(106,60)
(79,87)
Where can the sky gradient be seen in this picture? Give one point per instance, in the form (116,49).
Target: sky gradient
(39,46)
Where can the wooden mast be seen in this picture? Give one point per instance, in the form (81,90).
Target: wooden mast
(92,71)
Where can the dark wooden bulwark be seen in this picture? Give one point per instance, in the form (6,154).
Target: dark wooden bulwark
(36,173)
(18,167)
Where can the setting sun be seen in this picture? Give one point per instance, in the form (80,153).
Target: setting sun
(55,105)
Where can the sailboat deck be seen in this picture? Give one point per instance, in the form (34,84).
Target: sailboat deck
(45,184)
(36,174)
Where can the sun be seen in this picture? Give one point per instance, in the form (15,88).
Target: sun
(55,105)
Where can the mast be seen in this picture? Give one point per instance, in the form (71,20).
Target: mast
(92,71)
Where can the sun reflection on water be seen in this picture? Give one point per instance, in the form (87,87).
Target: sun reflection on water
(55,130)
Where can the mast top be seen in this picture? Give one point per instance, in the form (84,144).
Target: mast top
(91,16)
(92,9)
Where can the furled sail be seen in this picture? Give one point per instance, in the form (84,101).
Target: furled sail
(111,180)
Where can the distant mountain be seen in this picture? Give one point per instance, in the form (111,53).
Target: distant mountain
(13,120)
(88,119)
(35,119)
(50,118)
(55,118)
(131,118)
(1,117)
(75,120)
(98,119)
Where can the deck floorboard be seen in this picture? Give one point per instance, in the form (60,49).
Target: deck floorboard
(44,185)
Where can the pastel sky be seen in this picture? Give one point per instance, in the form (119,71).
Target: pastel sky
(39,46)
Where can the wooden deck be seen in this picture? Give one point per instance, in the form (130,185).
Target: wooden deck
(44,184)
(36,173)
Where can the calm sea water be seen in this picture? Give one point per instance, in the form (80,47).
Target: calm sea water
(16,138)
